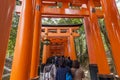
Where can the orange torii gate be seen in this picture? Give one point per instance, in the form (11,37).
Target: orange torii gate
(31,12)
(61,41)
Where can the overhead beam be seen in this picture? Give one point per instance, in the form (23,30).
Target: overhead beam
(61,16)
(61,34)
(58,40)
(74,2)
(63,28)
(62,25)
(47,10)
(58,11)
(64,12)
(48,3)
(69,12)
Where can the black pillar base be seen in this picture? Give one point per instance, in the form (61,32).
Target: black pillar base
(93,71)
(105,77)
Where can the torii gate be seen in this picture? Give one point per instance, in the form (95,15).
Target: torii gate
(34,10)
(62,41)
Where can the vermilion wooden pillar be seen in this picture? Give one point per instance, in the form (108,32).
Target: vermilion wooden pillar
(72,47)
(36,41)
(44,56)
(23,48)
(45,53)
(45,49)
(100,52)
(90,41)
(48,51)
(66,50)
(6,10)
(112,20)
(91,49)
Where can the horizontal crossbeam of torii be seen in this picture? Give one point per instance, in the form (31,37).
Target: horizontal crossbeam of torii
(65,11)
(59,31)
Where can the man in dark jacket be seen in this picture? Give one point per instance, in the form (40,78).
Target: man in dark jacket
(61,71)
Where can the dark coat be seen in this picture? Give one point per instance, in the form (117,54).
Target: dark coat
(61,73)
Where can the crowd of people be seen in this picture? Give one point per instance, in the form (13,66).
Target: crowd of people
(62,68)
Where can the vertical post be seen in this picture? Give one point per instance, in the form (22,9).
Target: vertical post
(91,50)
(66,50)
(45,48)
(112,20)
(48,51)
(6,10)
(72,47)
(23,48)
(103,72)
(45,53)
(36,41)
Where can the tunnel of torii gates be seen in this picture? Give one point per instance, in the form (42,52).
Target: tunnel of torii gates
(26,54)
(61,40)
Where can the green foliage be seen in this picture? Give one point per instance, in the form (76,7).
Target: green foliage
(13,33)
(61,21)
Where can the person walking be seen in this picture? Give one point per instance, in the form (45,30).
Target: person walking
(49,70)
(77,72)
(62,70)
